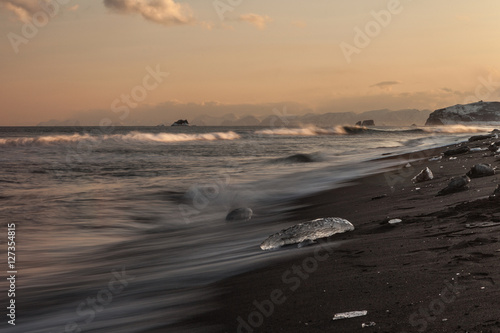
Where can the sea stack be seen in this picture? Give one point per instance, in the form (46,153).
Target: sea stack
(181,122)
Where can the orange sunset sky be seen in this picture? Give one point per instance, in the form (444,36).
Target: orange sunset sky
(61,59)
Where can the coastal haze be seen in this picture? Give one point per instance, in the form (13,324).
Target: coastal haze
(156,156)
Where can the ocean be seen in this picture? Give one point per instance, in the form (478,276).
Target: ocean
(123,229)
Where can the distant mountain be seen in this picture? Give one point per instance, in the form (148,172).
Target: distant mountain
(383,117)
(53,122)
(285,118)
(473,113)
(245,121)
(207,120)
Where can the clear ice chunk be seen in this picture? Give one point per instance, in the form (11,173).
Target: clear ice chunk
(307,231)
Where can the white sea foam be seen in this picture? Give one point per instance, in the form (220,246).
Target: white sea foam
(132,137)
(457,129)
(304,131)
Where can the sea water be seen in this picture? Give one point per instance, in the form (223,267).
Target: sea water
(123,229)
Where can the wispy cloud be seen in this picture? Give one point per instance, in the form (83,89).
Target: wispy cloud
(259,21)
(166,12)
(22,9)
(386,85)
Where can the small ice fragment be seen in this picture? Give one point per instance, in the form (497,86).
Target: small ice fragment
(482,288)
(417,188)
(370,324)
(395,221)
(475,149)
(347,315)
(408,165)
(452,158)
(435,158)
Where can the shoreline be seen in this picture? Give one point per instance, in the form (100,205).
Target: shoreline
(396,273)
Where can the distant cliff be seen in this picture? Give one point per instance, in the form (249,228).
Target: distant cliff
(479,112)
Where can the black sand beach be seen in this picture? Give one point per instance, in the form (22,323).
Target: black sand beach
(436,271)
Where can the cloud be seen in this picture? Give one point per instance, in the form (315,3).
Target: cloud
(258,21)
(166,12)
(23,9)
(386,85)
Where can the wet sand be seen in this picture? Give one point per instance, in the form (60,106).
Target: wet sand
(436,271)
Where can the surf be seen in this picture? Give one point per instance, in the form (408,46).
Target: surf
(132,137)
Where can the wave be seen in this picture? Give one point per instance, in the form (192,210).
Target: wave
(313,131)
(132,137)
(343,130)
(300,158)
(450,129)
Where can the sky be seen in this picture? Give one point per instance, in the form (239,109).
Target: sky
(63,58)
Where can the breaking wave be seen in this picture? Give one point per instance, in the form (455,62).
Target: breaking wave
(313,130)
(457,129)
(342,130)
(132,137)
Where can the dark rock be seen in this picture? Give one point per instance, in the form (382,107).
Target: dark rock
(496,193)
(433,122)
(456,184)
(181,122)
(423,176)
(494,146)
(358,123)
(239,214)
(300,158)
(457,151)
(481,170)
(480,137)
(497,190)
